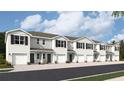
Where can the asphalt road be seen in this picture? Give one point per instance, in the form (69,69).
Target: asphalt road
(58,74)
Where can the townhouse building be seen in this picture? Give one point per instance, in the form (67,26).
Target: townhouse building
(24,47)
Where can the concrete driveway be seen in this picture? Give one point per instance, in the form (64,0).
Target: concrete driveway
(19,68)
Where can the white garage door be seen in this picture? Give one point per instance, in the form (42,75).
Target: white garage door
(89,58)
(61,58)
(19,59)
(102,58)
(80,58)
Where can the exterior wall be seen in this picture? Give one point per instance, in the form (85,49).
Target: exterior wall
(47,45)
(102,53)
(15,48)
(59,51)
(70,45)
(85,52)
(41,60)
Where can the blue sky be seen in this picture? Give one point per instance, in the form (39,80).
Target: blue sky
(99,25)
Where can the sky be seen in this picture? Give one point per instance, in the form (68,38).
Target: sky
(98,25)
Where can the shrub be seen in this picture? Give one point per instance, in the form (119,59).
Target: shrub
(6,65)
(56,62)
(77,62)
(2,60)
(28,63)
(39,62)
(67,61)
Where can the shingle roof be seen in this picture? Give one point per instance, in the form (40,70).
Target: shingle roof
(42,34)
(71,38)
(97,41)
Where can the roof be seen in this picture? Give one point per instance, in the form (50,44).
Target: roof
(41,49)
(97,41)
(42,34)
(71,38)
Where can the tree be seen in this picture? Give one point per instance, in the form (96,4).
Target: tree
(113,42)
(118,13)
(2,43)
(121,50)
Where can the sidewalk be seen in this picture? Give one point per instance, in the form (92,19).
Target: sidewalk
(19,68)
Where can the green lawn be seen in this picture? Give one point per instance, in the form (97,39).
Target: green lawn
(101,77)
(5,66)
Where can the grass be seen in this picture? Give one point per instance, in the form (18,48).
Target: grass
(5,66)
(101,77)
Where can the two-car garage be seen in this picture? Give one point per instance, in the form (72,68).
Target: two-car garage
(19,58)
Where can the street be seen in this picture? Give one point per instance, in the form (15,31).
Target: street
(59,74)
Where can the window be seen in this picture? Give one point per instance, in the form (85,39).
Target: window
(102,47)
(16,39)
(37,40)
(65,44)
(26,40)
(56,43)
(38,56)
(12,39)
(83,46)
(116,48)
(43,56)
(22,40)
(89,46)
(80,45)
(60,43)
(43,42)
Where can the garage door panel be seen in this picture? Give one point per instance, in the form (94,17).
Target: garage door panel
(89,58)
(19,59)
(102,58)
(61,58)
(81,58)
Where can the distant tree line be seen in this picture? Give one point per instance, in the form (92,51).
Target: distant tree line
(2,44)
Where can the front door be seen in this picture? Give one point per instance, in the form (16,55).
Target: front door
(70,57)
(31,58)
(49,58)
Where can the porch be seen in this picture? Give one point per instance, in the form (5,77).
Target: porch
(41,56)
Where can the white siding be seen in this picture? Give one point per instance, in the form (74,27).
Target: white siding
(47,45)
(17,48)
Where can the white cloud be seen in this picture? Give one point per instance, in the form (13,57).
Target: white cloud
(32,22)
(74,23)
(118,37)
(66,23)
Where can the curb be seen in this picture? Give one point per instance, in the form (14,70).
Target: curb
(6,69)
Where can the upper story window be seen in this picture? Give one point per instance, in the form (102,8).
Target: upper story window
(38,40)
(80,45)
(102,47)
(60,43)
(22,40)
(43,42)
(15,39)
(89,46)
(116,48)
